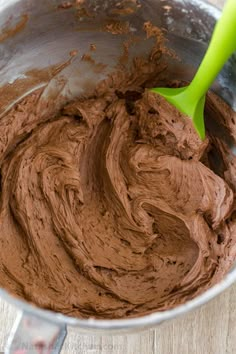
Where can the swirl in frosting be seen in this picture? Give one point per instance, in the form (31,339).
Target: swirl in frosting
(113,207)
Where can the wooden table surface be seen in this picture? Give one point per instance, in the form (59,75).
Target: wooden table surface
(208,330)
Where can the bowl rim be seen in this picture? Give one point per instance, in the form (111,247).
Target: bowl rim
(146,321)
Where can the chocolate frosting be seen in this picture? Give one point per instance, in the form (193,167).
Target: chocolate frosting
(114,207)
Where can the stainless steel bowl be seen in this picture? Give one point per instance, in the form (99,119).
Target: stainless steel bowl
(36,37)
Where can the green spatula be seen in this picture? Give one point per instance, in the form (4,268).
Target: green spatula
(190,100)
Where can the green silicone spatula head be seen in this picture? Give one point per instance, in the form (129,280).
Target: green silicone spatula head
(190,100)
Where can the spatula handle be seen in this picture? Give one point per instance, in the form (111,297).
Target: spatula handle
(222,46)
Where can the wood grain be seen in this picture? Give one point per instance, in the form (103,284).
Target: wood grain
(208,330)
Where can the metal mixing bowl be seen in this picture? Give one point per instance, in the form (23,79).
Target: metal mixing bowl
(37,37)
